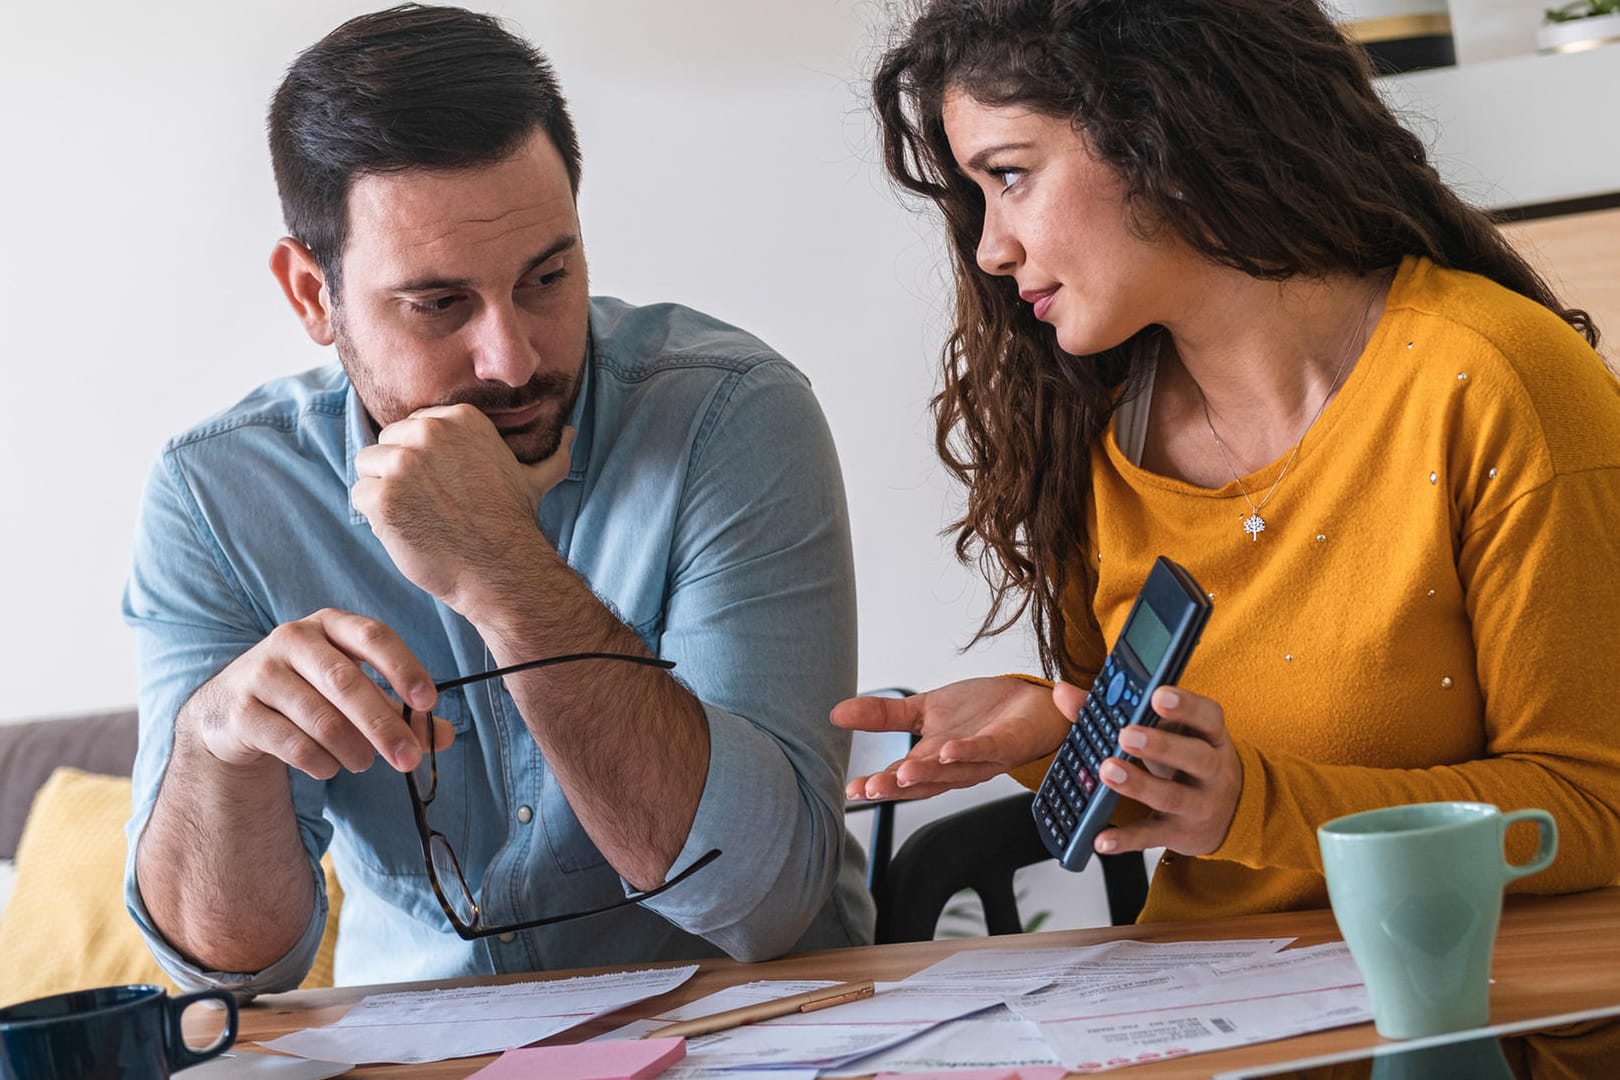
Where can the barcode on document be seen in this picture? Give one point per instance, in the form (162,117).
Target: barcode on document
(1223,1024)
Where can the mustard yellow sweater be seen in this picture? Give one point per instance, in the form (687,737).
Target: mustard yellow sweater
(1432,613)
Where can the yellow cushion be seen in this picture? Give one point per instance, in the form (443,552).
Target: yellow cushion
(65,927)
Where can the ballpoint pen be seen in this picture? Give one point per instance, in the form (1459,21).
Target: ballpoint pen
(809,1001)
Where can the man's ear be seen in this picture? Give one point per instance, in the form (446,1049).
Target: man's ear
(305,288)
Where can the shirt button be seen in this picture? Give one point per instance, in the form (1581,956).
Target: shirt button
(507,939)
(525,815)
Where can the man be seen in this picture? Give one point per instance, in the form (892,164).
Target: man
(502,469)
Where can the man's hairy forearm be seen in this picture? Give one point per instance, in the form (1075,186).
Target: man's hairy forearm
(629,745)
(220,864)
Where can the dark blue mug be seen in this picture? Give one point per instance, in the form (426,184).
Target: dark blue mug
(112,1033)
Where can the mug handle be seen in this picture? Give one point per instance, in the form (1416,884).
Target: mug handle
(1546,850)
(182,1056)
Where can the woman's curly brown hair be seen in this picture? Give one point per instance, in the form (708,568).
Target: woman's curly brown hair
(1250,128)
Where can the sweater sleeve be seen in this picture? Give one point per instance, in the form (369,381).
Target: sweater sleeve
(1543,600)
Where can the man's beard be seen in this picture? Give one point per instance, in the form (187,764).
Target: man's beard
(534,441)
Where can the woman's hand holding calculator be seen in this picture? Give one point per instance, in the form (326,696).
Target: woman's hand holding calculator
(1190,782)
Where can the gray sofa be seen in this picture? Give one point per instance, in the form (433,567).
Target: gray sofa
(97,742)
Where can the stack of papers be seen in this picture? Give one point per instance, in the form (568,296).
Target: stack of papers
(1003,1037)
(1006,1011)
(1190,1010)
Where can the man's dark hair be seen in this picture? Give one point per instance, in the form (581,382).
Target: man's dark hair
(412,87)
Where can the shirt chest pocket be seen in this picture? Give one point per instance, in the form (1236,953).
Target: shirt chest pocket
(571,850)
(373,808)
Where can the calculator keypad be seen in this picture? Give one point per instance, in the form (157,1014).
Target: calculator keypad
(1093,738)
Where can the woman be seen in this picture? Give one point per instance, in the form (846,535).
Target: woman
(1214,303)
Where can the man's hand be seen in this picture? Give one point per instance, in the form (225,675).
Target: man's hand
(449,501)
(300,697)
(1191,782)
(969,731)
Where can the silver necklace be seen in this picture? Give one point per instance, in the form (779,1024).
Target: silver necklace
(1255,524)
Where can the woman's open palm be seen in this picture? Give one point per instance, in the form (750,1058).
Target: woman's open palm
(967,731)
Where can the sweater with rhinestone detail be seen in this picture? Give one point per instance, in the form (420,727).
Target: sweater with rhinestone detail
(1432,613)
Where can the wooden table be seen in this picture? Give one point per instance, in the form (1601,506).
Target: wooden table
(1553,955)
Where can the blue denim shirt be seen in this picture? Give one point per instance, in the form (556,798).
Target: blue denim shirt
(704,505)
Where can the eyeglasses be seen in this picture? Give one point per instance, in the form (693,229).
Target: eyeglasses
(444,869)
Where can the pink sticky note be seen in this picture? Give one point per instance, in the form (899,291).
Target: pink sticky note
(615,1059)
(1021,1072)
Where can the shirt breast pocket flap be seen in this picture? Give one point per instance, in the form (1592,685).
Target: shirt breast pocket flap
(451,706)
(571,848)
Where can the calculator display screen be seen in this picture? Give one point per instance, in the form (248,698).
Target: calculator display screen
(1147,636)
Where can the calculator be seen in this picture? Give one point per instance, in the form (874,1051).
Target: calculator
(1072,805)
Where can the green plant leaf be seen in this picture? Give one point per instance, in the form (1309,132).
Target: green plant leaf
(1582,9)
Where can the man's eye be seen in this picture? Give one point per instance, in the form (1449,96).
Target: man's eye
(438,305)
(549,278)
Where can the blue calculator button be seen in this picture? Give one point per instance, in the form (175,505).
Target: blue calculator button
(1116,688)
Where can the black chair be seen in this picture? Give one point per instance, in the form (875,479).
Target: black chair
(870,751)
(979,849)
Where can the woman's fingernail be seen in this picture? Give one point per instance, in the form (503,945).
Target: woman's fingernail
(1168,697)
(1133,738)
(1106,846)
(1113,770)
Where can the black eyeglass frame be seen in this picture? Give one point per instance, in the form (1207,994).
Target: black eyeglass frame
(473,930)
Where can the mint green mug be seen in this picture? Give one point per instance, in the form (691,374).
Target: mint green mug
(1417,893)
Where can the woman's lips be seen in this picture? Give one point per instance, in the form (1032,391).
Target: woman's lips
(1040,299)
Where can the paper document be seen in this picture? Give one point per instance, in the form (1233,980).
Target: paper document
(1191,1010)
(1090,965)
(995,1038)
(823,1039)
(432,1025)
(1000,1037)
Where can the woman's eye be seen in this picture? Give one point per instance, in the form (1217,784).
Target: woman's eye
(1008,177)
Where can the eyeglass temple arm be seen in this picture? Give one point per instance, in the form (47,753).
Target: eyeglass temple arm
(635,898)
(548,661)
